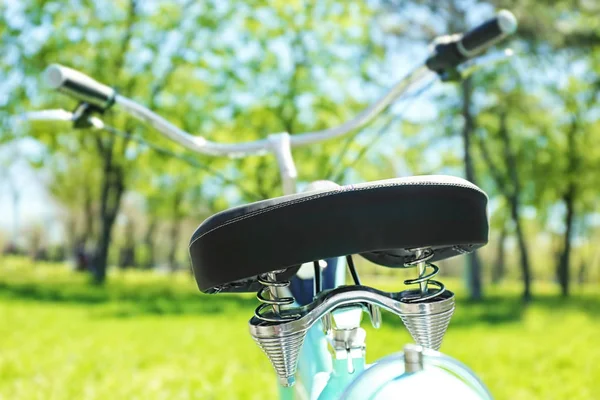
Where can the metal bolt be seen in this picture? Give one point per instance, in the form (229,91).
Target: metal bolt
(413,358)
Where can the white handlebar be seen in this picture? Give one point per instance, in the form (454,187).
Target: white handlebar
(201,145)
(444,60)
(191,142)
(366,115)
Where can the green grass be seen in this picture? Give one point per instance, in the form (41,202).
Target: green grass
(145,336)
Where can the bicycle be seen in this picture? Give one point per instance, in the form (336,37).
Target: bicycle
(313,336)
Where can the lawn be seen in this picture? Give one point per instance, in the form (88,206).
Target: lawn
(147,336)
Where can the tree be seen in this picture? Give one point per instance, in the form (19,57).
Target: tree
(453,15)
(560,34)
(105,48)
(282,85)
(505,170)
(580,127)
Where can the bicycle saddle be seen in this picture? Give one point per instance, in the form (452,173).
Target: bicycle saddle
(380,220)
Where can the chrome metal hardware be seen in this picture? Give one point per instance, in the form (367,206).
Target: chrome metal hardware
(271,308)
(345,336)
(279,330)
(282,341)
(428,321)
(426,312)
(282,348)
(348,344)
(413,358)
(422,256)
(375,315)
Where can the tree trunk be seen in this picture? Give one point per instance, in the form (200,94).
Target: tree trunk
(499,270)
(127,255)
(88,217)
(565,255)
(563,268)
(512,190)
(80,245)
(523,251)
(175,231)
(100,260)
(71,233)
(582,274)
(474,264)
(174,245)
(113,186)
(149,243)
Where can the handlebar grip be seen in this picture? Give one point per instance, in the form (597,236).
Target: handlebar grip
(488,33)
(450,51)
(79,86)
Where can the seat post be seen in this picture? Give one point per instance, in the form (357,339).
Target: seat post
(281,147)
(421,268)
(274,291)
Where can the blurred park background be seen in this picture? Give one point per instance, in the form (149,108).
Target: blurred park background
(96,298)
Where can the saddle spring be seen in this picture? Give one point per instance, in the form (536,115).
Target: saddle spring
(425,281)
(270,310)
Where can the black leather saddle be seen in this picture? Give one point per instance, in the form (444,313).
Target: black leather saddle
(380,220)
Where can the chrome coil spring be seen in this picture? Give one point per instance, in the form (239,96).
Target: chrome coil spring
(425,281)
(270,309)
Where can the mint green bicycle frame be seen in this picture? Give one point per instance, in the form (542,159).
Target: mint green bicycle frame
(320,377)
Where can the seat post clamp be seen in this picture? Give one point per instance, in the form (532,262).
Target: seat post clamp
(282,148)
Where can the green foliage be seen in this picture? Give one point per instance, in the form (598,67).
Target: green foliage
(226,70)
(235,71)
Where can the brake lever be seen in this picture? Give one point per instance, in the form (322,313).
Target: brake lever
(45,115)
(82,115)
(467,68)
(83,118)
(80,118)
